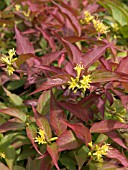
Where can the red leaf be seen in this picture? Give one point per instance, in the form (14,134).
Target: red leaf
(23,44)
(67,141)
(48,38)
(15,113)
(73,52)
(106,126)
(81,131)
(3,167)
(93,55)
(124,100)
(123,66)
(12,124)
(46,163)
(53,82)
(77,110)
(115,137)
(43,124)
(56,115)
(114,153)
(53,152)
(105,63)
(70,15)
(49,58)
(32,133)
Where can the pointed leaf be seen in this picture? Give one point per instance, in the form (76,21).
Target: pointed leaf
(15,113)
(106,126)
(116,138)
(53,82)
(114,153)
(81,131)
(56,115)
(3,167)
(32,133)
(53,152)
(67,141)
(23,44)
(77,110)
(46,163)
(43,124)
(93,55)
(123,66)
(12,124)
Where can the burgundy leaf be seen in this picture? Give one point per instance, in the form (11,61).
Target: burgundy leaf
(124,100)
(106,126)
(73,52)
(23,44)
(100,103)
(48,37)
(70,15)
(12,124)
(53,82)
(81,131)
(93,55)
(53,152)
(43,124)
(49,58)
(46,163)
(67,141)
(115,137)
(77,110)
(15,113)
(32,133)
(56,115)
(123,66)
(114,153)
(105,63)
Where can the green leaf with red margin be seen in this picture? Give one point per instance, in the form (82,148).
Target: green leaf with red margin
(43,124)
(70,15)
(106,126)
(116,138)
(103,76)
(53,152)
(94,54)
(23,44)
(56,115)
(3,167)
(31,131)
(81,131)
(53,81)
(15,113)
(77,110)
(115,154)
(68,141)
(12,124)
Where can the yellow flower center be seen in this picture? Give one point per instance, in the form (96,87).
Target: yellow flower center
(2,155)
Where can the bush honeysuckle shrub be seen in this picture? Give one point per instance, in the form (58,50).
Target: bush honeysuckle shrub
(63,85)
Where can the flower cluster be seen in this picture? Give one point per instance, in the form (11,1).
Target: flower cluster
(41,138)
(77,83)
(87,18)
(97,152)
(100,27)
(2,155)
(9,60)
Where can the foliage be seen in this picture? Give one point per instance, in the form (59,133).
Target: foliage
(63,85)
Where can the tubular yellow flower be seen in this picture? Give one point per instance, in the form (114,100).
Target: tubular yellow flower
(85,82)
(17,7)
(87,18)
(73,84)
(100,27)
(78,69)
(2,155)
(40,139)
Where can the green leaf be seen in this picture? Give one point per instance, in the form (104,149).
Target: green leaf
(29,152)
(18,168)
(10,154)
(67,162)
(15,84)
(124,31)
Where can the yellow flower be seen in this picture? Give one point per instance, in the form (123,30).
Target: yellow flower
(87,18)
(78,69)
(115,27)
(100,27)
(9,60)
(41,137)
(2,155)
(85,82)
(73,84)
(26,13)
(17,7)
